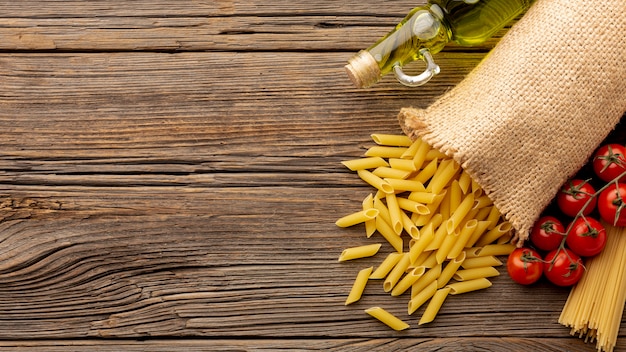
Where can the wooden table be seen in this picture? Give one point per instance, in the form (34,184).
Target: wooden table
(170,178)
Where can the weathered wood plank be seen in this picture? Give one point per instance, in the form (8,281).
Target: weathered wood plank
(113,262)
(486,344)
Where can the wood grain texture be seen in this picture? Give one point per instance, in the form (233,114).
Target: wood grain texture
(171,172)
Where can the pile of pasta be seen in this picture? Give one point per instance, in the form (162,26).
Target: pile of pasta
(594,307)
(445,231)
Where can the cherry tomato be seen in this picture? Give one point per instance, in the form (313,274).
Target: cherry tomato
(609,161)
(586,237)
(524,266)
(573,196)
(612,204)
(563,267)
(547,233)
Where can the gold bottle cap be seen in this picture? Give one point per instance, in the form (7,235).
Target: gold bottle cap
(363,69)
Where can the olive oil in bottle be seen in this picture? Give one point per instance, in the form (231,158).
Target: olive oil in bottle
(425,31)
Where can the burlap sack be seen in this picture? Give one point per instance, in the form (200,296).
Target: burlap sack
(532,112)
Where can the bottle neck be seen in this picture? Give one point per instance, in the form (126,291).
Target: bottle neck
(423,28)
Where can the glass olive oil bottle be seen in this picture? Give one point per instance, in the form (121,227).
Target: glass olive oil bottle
(425,31)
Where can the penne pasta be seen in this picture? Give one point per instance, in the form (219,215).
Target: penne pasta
(426,236)
(459,213)
(421,297)
(413,206)
(468,286)
(359,252)
(386,152)
(432,207)
(451,268)
(476,273)
(426,173)
(466,232)
(396,273)
(389,234)
(446,246)
(495,233)
(402,164)
(375,181)
(465,182)
(420,154)
(409,226)
(370,225)
(392,140)
(387,318)
(365,163)
(422,196)
(358,286)
(386,266)
(496,249)
(481,262)
(406,185)
(481,227)
(411,150)
(408,280)
(434,305)
(394,213)
(387,172)
(357,218)
(430,276)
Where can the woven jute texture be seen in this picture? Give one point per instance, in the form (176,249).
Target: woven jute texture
(536,107)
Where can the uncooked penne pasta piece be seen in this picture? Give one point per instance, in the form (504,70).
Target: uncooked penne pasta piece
(421,297)
(450,269)
(468,286)
(411,150)
(393,140)
(459,213)
(394,213)
(433,307)
(494,217)
(365,163)
(409,226)
(456,195)
(387,318)
(375,181)
(383,211)
(359,285)
(387,172)
(389,234)
(481,227)
(420,154)
(386,266)
(435,153)
(426,236)
(396,273)
(357,217)
(359,252)
(446,245)
(408,280)
(422,197)
(421,259)
(465,182)
(402,164)
(432,207)
(430,276)
(475,273)
(440,180)
(406,185)
(440,235)
(466,232)
(482,202)
(427,172)
(492,235)
(496,249)
(481,262)
(370,225)
(413,206)
(385,152)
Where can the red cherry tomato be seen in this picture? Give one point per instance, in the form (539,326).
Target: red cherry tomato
(573,196)
(524,266)
(612,204)
(563,267)
(609,161)
(547,233)
(586,237)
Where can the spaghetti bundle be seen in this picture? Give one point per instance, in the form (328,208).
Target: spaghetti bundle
(594,307)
